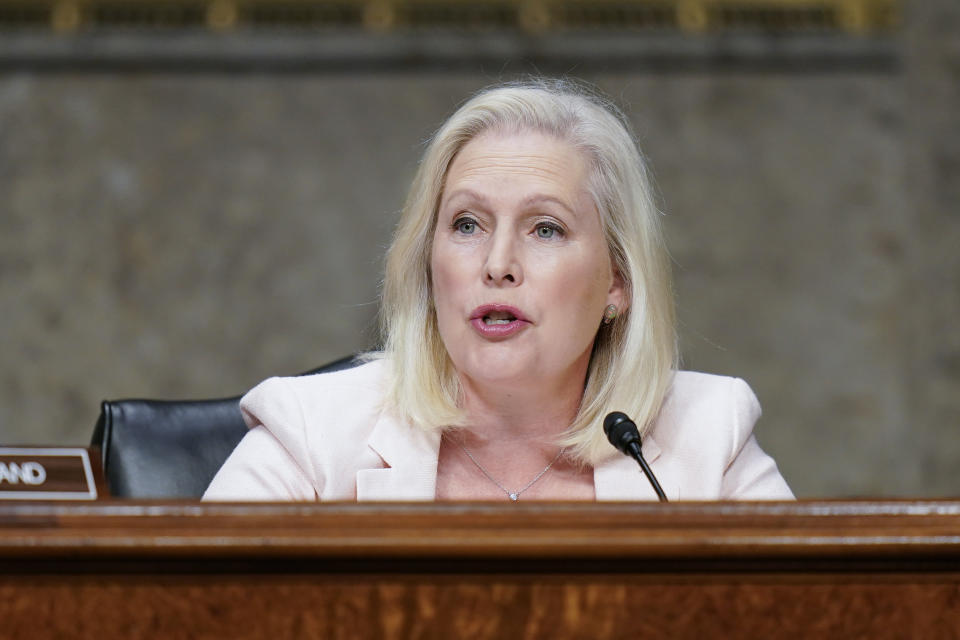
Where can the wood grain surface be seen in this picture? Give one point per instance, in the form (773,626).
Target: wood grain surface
(888,569)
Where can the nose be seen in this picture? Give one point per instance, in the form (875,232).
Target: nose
(502,267)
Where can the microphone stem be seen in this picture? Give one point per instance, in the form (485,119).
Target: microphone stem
(638,456)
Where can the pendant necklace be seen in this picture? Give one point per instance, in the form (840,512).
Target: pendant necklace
(513,495)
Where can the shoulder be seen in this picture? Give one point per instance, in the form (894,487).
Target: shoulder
(361,376)
(292,407)
(289,396)
(705,429)
(307,437)
(323,422)
(711,412)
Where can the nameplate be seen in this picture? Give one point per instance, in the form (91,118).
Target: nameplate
(46,473)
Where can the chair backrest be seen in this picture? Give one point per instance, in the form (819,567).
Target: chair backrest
(171,448)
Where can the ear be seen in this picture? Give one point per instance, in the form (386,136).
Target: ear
(618,295)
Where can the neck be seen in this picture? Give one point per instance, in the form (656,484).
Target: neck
(511,412)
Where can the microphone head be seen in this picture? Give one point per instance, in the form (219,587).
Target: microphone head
(613,418)
(621,431)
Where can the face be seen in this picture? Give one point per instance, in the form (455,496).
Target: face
(521,273)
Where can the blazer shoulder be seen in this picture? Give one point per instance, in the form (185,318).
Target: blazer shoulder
(323,421)
(691,387)
(704,409)
(279,392)
(363,376)
(289,407)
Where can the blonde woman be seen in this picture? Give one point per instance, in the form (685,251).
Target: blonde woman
(527,294)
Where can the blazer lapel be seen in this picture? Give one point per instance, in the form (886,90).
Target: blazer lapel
(619,477)
(411,457)
(411,473)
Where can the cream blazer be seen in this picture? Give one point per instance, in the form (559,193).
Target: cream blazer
(326,437)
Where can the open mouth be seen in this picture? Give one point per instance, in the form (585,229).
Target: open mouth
(498,317)
(498,321)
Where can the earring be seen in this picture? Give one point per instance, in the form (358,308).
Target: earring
(610,314)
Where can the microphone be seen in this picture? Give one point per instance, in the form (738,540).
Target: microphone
(624,435)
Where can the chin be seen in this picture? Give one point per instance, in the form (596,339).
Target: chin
(497,368)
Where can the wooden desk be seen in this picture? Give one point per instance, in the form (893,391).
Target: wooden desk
(839,569)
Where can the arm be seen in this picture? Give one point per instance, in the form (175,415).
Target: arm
(271,462)
(260,468)
(751,473)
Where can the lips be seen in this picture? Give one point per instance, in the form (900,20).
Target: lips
(495,321)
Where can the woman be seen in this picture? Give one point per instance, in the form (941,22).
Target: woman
(527,294)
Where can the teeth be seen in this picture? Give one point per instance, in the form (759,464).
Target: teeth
(488,320)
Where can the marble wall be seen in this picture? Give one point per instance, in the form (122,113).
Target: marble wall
(185,235)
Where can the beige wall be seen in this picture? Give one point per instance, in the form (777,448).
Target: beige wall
(185,235)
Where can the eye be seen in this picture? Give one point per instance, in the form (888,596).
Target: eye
(548,231)
(466,226)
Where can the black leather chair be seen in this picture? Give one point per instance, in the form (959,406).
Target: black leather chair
(171,448)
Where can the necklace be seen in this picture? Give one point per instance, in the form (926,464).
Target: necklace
(513,495)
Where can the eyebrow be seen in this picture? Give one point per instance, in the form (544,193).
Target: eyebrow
(485,202)
(538,198)
(466,193)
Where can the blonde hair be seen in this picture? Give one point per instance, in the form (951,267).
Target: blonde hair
(633,358)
